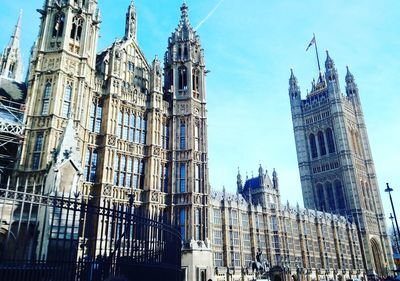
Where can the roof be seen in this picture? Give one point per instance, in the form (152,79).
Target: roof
(12,90)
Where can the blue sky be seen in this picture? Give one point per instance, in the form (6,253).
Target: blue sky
(250,47)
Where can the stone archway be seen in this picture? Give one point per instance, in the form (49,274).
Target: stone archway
(377,257)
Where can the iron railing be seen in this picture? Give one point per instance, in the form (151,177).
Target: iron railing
(67,237)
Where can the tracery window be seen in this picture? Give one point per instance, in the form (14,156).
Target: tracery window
(66,110)
(76,30)
(46,98)
(313,146)
(182,78)
(182,142)
(58,26)
(331,143)
(321,142)
(182,177)
(37,151)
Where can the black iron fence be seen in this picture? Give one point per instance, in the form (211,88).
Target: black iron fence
(65,237)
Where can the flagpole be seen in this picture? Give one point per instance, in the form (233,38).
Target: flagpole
(316,52)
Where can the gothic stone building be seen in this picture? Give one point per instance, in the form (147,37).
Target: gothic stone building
(335,161)
(110,124)
(297,243)
(130,130)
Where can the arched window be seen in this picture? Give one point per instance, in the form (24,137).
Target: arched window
(321,142)
(331,143)
(182,78)
(67,101)
(182,222)
(76,30)
(321,197)
(182,178)
(313,146)
(46,98)
(195,83)
(330,195)
(58,26)
(182,142)
(340,199)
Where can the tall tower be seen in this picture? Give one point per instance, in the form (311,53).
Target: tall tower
(185,90)
(10,60)
(61,81)
(335,161)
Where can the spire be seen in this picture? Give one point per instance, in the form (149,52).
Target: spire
(275,179)
(11,61)
(351,86)
(260,171)
(329,64)
(131,24)
(349,76)
(184,12)
(239,182)
(294,89)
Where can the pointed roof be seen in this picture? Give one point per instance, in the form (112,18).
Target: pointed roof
(329,64)
(349,76)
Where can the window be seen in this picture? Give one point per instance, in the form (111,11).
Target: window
(182,181)
(235,259)
(182,222)
(218,261)
(246,241)
(182,143)
(217,216)
(197,178)
(138,124)
(132,127)
(195,83)
(245,220)
(339,195)
(76,30)
(321,197)
(58,28)
(165,178)
(182,79)
(331,143)
(196,137)
(125,128)
(274,223)
(46,98)
(321,142)
(197,223)
(260,221)
(120,120)
(313,146)
(37,151)
(90,165)
(217,237)
(165,136)
(96,114)
(66,110)
(234,235)
(116,169)
(144,130)
(233,218)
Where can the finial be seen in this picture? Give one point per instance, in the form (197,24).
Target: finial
(329,64)
(349,76)
(184,10)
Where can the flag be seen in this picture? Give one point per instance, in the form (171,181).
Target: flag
(312,42)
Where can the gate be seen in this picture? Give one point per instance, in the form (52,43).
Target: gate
(66,237)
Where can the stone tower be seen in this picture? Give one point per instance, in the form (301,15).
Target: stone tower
(10,60)
(185,73)
(335,161)
(61,81)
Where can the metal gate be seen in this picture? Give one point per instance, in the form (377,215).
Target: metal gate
(66,237)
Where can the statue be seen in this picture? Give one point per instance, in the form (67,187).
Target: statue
(260,265)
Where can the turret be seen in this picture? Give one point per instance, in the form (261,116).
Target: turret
(239,182)
(331,74)
(11,61)
(261,175)
(275,181)
(351,86)
(131,22)
(294,90)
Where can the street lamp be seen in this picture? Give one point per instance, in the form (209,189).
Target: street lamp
(394,232)
(389,190)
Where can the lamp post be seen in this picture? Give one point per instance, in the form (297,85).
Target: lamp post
(394,232)
(389,190)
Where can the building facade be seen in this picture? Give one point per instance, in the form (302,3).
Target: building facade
(335,161)
(108,125)
(297,243)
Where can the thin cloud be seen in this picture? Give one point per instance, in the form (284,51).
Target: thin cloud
(209,15)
